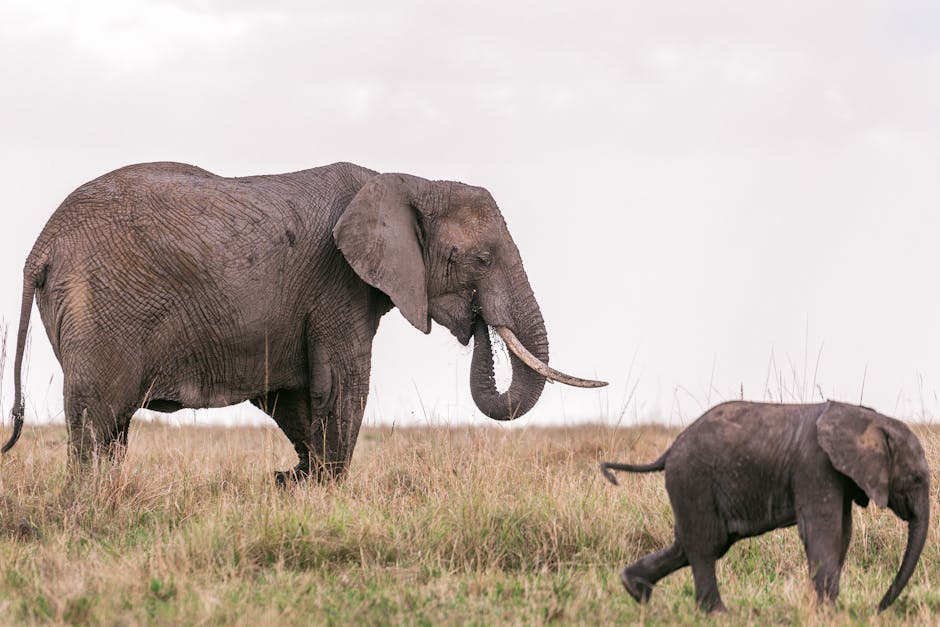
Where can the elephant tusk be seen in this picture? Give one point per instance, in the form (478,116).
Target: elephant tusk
(520,351)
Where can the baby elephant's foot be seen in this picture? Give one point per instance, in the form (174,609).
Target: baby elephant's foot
(710,607)
(284,478)
(638,587)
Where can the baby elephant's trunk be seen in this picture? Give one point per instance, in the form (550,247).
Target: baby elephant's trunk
(916,536)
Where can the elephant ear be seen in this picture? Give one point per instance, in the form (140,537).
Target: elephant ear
(857,447)
(380,236)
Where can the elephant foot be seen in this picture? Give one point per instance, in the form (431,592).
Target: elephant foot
(638,587)
(317,471)
(714,607)
(284,478)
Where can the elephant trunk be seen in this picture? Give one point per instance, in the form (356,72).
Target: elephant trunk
(917,529)
(526,387)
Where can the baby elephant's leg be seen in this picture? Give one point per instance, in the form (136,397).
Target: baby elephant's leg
(707,596)
(702,530)
(640,577)
(825,533)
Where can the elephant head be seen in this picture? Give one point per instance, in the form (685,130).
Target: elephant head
(884,458)
(441,250)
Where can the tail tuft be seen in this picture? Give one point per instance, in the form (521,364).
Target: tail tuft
(605,470)
(17,428)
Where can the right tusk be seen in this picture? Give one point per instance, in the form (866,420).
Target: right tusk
(520,351)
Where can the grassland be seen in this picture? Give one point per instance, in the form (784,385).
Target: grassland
(432,526)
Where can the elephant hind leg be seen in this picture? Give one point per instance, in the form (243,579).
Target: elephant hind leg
(702,530)
(98,410)
(707,596)
(97,429)
(639,578)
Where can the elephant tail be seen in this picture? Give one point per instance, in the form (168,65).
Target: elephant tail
(31,281)
(607,467)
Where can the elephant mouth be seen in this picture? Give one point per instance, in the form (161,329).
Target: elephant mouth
(458,313)
(466,331)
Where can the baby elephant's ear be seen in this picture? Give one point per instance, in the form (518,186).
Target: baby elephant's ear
(857,447)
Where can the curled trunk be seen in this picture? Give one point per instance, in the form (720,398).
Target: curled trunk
(526,386)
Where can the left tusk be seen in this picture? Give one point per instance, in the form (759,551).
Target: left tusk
(520,351)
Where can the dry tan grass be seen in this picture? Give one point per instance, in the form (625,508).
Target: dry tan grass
(433,525)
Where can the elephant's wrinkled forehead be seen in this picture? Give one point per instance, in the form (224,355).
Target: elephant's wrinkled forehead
(469,224)
(472,217)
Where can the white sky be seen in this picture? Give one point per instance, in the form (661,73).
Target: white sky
(707,195)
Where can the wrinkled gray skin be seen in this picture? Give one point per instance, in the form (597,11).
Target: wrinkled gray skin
(743,469)
(163,285)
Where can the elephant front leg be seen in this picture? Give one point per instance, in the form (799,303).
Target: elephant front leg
(324,444)
(339,384)
(825,529)
(333,433)
(290,409)
(322,422)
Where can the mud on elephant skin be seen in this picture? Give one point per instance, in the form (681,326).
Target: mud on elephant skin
(743,469)
(166,286)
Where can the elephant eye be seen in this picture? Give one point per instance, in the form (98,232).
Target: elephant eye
(485,259)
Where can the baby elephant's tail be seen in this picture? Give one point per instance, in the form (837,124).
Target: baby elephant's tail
(607,467)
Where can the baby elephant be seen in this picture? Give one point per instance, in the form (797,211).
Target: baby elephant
(745,468)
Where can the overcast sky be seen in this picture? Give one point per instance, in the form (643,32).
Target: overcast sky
(709,197)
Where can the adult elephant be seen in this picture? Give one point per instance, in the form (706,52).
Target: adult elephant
(165,286)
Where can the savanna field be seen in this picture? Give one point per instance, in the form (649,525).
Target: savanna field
(432,526)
